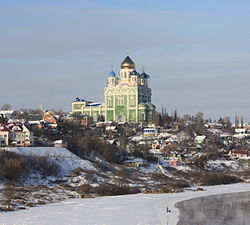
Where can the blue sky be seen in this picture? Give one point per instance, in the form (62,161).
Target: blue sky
(197,52)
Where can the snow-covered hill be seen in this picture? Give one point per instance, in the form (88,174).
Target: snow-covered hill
(62,156)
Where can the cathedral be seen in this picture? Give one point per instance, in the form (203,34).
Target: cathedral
(127,98)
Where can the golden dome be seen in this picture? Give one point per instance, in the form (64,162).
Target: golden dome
(127,63)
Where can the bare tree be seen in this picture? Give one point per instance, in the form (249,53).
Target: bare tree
(6,107)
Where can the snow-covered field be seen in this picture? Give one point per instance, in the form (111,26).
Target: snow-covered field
(140,209)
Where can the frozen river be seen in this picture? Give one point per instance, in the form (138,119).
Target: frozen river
(139,209)
(226,209)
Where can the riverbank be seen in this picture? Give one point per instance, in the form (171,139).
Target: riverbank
(135,209)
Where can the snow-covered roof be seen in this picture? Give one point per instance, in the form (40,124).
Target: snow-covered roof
(200,138)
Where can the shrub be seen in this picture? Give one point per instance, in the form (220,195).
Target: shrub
(217,179)
(8,195)
(85,190)
(89,144)
(47,166)
(179,184)
(12,165)
(112,189)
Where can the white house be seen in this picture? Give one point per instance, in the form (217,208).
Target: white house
(15,134)
(150,131)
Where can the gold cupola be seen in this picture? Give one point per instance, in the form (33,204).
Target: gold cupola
(127,63)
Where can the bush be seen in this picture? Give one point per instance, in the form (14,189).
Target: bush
(217,179)
(47,166)
(89,144)
(112,189)
(85,190)
(8,196)
(12,165)
(179,184)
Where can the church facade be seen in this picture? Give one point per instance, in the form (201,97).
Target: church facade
(127,98)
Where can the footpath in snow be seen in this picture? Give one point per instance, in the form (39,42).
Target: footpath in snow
(139,209)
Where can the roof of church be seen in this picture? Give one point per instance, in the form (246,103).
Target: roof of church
(112,74)
(134,72)
(128,63)
(144,75)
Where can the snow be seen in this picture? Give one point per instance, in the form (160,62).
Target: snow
(165,172)
(182,168)
(220,165)
(137,138)
(66,159)
(164,135)
(136,209)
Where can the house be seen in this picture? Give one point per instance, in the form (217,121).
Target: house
(156,145)
(226,137)
(49,118)
(34,120)
(82,119)
(238,153)
(86,120)
(16,134)
(174,162)
(150,131)
(240,131)
(4,136)
(135,162)
(172,140)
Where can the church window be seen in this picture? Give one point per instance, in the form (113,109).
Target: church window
(120,101)
(143,116)
(109,102)
(132,101)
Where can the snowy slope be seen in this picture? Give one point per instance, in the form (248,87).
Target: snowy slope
(137,209)
(66,159)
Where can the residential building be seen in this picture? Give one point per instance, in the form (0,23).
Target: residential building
(50,118)
(4,136)
(238,153)
(150,131)
(83,119)
(16,134)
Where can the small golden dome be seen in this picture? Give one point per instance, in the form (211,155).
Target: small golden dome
(127,63)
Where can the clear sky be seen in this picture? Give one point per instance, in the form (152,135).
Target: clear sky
(196,51)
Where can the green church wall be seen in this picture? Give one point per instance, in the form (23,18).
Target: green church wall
(110,115)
